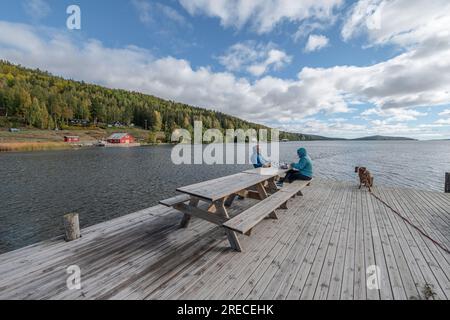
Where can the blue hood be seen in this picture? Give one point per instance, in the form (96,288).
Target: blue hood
(302,152)
(304,165)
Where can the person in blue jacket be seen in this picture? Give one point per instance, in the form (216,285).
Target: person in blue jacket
(258,160)
(303,170)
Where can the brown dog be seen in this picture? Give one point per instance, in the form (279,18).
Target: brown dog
(365,178)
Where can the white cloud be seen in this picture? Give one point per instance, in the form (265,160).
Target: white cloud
(384,127)
(342,129)
(329,128)
(307,27)
(254,58)
(393,115)
(172,14)
(443,121)
(316,42)
(36,9)
(144,9)
(418,78)
(149,12)
(401,22)
(262,15)
(446,112)
(420,28)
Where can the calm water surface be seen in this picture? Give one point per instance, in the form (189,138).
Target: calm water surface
(37,189)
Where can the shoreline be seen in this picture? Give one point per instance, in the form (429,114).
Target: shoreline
(10,147)
(18,147)
(13,146)
(31,139)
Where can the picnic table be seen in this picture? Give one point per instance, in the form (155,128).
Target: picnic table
(219,195)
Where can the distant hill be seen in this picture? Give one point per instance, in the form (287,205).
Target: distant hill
(315,137)
(311,137)
(384,138)
(306,137)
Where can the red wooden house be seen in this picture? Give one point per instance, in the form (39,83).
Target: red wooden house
(71,139)
(121,138)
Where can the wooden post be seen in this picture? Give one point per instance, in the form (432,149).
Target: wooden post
(72,227)
(447,182)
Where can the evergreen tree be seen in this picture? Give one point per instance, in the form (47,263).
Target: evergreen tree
(156,121)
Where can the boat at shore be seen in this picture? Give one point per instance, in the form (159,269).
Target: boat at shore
(100,143)
(106,144)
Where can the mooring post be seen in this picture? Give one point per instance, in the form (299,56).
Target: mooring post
(72,227)
(447,182)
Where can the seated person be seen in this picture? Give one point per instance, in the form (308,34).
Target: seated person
(303,170)
(258,160)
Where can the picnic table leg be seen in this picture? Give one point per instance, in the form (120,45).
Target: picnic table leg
(232,236)
(212,208)
(273,215)
(272,185)
(284,206)
(230,200)
(187,218)
(262,191)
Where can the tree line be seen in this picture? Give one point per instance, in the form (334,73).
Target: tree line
(41,100)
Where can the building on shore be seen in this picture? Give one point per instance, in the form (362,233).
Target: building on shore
(71,139)
(121,138)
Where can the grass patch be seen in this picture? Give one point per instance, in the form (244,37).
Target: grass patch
(32,146)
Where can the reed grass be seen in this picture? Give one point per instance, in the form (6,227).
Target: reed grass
(32,146)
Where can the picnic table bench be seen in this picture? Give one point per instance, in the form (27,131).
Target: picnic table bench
(247,220)
(219,194)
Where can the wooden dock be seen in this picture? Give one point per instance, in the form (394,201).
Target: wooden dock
(320,248)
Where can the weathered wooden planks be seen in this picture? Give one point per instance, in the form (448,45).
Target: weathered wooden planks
(220,188)
(247,220)
(319,248)
(175,200)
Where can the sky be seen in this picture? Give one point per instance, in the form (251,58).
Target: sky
(337,68)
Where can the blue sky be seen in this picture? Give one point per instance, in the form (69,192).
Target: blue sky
(329,67)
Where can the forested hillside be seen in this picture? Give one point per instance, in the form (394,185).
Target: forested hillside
(41,100)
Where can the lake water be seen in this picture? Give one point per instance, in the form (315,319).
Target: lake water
(38,188)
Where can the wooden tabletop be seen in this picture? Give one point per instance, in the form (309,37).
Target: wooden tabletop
(221,188)
(272,172)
